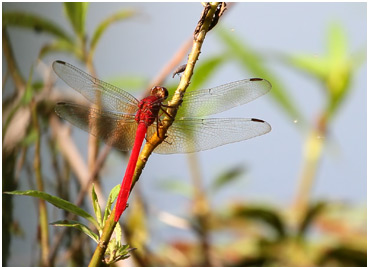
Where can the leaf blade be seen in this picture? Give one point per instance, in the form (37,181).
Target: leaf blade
(80,226)
(116,17)
(58,202)
(28,20)
(76,13)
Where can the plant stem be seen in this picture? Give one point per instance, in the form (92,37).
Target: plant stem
(44,226)
(202,28)
(312,154)
(201,209)
(155,140)
(98,255)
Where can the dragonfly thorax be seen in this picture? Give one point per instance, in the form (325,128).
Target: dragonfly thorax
(148,109)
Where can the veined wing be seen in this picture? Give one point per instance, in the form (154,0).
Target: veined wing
(206,102)
(112,98)
(116,129)
(192,135)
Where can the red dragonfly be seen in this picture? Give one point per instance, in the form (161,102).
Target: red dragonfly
(123,121)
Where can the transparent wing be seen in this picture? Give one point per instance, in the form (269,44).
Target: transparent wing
(192,135)
(116,129)
(205,102)
(112,98)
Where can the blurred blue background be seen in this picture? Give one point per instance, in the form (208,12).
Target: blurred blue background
(141,46)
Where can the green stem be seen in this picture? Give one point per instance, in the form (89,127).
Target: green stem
(44,226)
(312,155)
(98,255)
(154,141)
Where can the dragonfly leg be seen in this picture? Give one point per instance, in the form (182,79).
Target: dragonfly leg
(166,113)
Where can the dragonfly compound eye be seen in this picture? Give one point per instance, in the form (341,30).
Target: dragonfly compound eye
(160,92)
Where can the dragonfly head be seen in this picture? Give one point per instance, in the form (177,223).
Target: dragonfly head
(159,92)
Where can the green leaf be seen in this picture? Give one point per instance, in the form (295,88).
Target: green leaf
(334,69)
(205,69)
(119,253)
(227,177)
(267,216)
(118,234)
(61,46)
(112,196)
(337,42)
(203,72)
(37,86)
(28,94)
(34,22)
(345,255)
(118,16)
(129,83)
(177,187)
(310,216)
(97,209)
(252,62)
(58,202)
(30,138)
(79,226)
(76,13)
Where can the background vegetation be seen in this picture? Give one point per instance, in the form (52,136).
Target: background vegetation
(42,150)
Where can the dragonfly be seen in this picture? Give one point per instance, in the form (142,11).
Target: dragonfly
(123,121)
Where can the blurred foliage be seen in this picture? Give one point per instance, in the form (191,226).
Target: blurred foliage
(237,234)
(334,70)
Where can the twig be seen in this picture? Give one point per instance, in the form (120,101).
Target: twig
(156,140)
(199,36)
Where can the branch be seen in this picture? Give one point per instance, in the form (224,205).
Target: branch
(206,22)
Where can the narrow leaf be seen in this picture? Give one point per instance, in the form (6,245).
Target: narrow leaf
(267,216)
(34,22)
(205,69)
(120,15)
(112,196)
(28,94)
(58,202)
(61,46)
(76,13)
(118,234)
(337,42)
(345,256)
(227,177)
(252,62)
(79,226)
(95,203)
(311,214)
(129,83)
(176,186)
